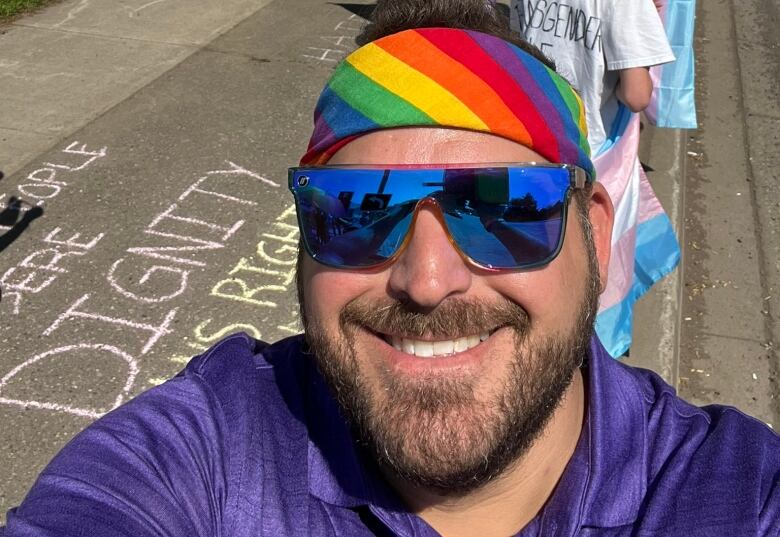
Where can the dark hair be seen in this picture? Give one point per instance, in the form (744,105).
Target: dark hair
(393,16)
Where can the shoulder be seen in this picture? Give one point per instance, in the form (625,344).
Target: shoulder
(173,460)
(709,470)
(235,383)
(239,362)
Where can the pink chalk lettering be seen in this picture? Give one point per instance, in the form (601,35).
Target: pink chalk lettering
(73,312)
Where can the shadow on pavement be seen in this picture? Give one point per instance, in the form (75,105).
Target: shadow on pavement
(361,10)
(17,215)
(366,10)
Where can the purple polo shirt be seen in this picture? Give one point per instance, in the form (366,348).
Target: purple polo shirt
(247,441)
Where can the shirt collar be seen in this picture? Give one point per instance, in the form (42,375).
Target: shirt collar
(604,483)
(617,443)
(336,475)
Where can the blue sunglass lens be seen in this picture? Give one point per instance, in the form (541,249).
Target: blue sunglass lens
(499,217)
(356,218)
(513,220)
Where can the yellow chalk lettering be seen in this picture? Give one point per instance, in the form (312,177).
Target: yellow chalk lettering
(226,330)
(243,264)
(293,327)
(291,237)
(290,213)
(245,293)
(271,259)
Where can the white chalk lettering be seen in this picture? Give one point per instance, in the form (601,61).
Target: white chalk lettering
(17,300)
(71,242)
(54,257)
(27,284)
(343,41)
(41,268)
(179,281)
(17,207)
(157,331)
(114,352)
(235,169)
(40,191)
(199,244)
(352,23)
(52,173)
(192,235)
(325,54)
(92,157)
(43,185)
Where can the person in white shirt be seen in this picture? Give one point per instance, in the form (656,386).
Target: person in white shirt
(604,48)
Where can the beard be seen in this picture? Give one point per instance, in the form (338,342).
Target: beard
(438,433)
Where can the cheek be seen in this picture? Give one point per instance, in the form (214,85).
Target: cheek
(553,294)
(327,290)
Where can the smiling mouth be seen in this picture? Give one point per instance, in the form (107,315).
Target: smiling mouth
(434,349)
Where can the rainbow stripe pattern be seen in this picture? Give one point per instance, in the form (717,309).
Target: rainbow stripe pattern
(452,78)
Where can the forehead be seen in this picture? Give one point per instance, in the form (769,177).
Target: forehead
(432,145)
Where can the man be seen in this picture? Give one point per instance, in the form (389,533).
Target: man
(454,248)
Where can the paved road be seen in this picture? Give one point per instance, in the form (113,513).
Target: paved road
(166,222)
(730,330)
(145,145)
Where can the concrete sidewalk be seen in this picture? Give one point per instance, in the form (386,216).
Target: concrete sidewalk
(656,337)
(65,66)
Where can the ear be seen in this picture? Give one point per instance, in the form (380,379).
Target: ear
(602,216)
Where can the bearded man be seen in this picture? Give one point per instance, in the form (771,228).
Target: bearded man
(454,243)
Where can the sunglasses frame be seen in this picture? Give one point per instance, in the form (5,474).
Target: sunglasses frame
(578,179)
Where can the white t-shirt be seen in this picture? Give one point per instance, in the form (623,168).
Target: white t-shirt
(590,40)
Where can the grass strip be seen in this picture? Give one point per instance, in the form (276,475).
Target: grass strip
(12,8)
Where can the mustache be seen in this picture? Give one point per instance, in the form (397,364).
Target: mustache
(452,318)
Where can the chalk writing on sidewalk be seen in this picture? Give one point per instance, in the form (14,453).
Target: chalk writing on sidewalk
(128,313)
(335,47)
(259,280)
(41,186)
(44,266)
(62,353)
(47,182)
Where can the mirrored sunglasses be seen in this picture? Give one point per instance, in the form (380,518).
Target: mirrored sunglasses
(498,216)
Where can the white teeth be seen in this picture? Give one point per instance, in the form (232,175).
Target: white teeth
(423,349)
(461,344)
(426,349)
(443,347)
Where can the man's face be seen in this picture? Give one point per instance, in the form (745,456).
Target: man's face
(387,339)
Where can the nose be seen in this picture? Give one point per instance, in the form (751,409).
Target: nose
(429,269)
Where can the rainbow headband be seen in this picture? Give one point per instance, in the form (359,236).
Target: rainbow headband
(452,78)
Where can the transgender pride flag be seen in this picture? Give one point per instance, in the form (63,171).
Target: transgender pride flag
(644,246)
(673,104)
